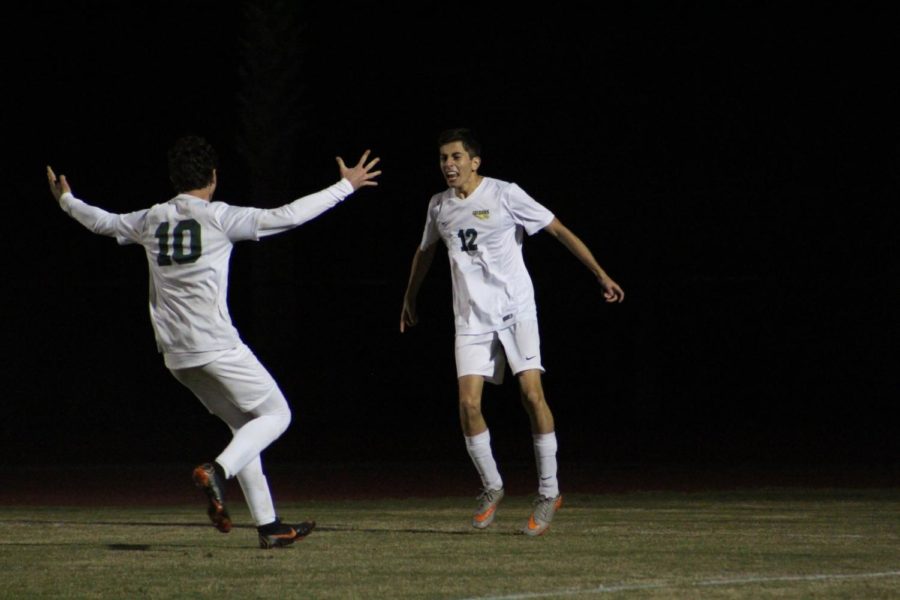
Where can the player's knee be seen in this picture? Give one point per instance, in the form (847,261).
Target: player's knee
(284,417)
(469,404)
(277,410)
(533,397)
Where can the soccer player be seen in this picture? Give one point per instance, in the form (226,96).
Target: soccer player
(188,242)
(481,221)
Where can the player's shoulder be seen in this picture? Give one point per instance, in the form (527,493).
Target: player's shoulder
(219,208)
(497,183)
(508,187)
(502,190)
(438,199)
(225,215)
(441,196)
(499,188)
(158,209)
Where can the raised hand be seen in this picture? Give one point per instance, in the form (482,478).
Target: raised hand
(58,187)
(362,173)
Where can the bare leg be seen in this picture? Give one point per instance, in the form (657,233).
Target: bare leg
(478,438)
(534,402)
(543,433)
(471,419)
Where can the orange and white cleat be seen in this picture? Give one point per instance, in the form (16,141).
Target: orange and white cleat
(544,509)
(487,508)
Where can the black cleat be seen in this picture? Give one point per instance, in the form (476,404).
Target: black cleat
(213,485)
(278,535)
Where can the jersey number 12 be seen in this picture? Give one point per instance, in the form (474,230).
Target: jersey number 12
(467,238)
(180,254)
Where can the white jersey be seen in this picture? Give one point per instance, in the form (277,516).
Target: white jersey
(188,244)
(483,233)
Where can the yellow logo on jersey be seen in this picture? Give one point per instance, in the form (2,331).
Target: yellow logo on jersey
(484,215)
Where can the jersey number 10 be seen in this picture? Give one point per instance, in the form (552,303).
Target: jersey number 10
(180,254)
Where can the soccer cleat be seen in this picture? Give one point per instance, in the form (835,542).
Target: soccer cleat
(487,508)
(213,486)
(544,509)
(279,535)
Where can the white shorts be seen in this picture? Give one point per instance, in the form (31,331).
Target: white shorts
(486,354)
(237,377)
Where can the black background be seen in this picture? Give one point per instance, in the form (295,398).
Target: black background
(732,165)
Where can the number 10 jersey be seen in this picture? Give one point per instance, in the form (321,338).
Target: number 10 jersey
(188,243)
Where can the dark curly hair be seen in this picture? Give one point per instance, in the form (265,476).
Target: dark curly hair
(472,146)
(191,163)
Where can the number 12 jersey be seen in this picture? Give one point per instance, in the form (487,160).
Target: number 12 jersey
(483,234)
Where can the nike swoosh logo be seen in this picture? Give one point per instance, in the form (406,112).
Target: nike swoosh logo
(482,517)
(289,535)
(530,357)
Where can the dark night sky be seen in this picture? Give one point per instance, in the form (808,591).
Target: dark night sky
(734,166)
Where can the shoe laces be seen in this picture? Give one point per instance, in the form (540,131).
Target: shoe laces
(543,507)
(488,495)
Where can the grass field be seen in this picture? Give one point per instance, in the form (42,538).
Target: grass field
(759,544)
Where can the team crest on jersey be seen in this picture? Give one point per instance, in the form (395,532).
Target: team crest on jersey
(484,215)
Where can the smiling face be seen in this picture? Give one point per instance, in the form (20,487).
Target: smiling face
(459,169)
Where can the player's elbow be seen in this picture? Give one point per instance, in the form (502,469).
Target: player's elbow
(555,228)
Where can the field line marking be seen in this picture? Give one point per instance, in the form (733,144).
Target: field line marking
(820,577)
(628,587)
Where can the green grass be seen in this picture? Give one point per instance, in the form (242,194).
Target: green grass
(761,544)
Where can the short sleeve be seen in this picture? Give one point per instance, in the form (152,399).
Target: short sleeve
(525,210)
(431,234)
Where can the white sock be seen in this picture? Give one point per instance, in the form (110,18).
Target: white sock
(479,448)
(545,457)
(256,492)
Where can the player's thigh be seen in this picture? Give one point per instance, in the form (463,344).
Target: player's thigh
(233,386)
(522,345)
(212,394)
(480,355)
(245,381)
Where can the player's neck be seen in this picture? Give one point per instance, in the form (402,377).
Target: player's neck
(470,186)
(204,193)
(207,191)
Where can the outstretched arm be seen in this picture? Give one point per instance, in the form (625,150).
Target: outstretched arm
(95,219)
(611,290)
(420,265)
(309,207)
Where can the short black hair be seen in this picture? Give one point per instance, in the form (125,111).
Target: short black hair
(472,145)
(191,163)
